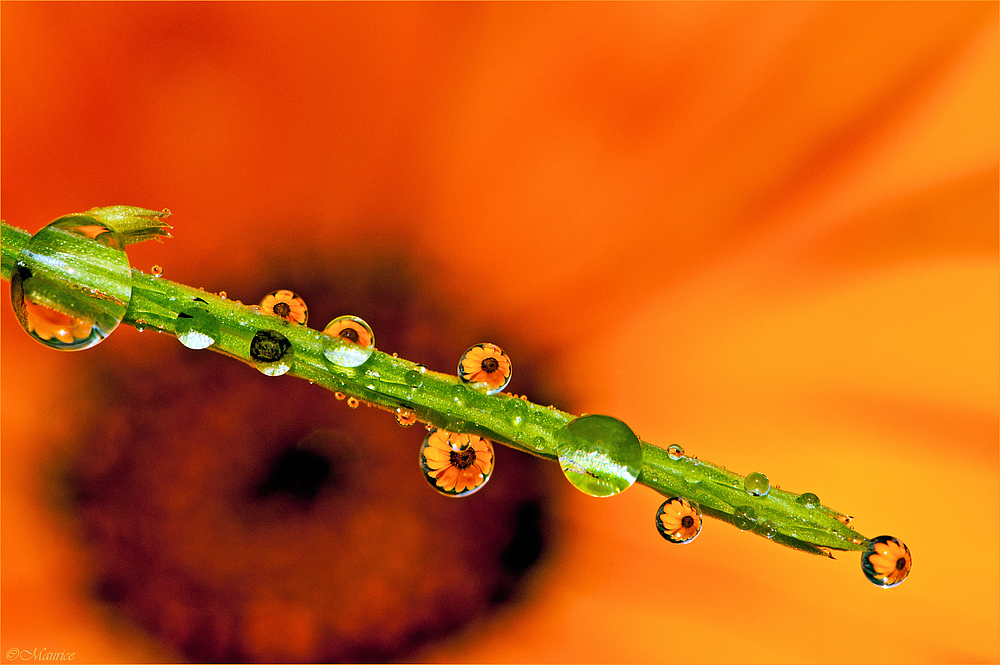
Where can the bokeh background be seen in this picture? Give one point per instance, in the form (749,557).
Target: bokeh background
(768,232)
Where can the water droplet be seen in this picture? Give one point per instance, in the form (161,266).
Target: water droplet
(351,342)
(886,562)
(140,324)
(157,271)
(757,484)
(600,455)
(353,402)
(517,411)
(405,417)
(223,294)
(456,464)
(485,367)
(78,316)
(768,530)
(414,378)
(196,328)
(286,305)
(678,520)
(339,395)
(271,352)
(745,518)
(844,519)
(675,452)
(809,500)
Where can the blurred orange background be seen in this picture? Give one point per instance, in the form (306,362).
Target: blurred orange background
(768,232)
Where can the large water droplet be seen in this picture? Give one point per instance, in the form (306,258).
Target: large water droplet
(485,367)
(600,455)
(70,317)
(287,305)
(745,518)
(757,484)
(351,342)
(886,562)
(678,520)
(767,529)
(456,464)
(808,499)
(196,328)
(675,452)
(271,352)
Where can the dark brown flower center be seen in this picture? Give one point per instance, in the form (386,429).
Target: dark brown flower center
(350,334)
(282,309)
(687,521)
(490,365)
(463,459)
(900,563)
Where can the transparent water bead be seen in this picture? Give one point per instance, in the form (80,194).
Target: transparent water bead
(678,520)
(287,305)
(271,352)
(456,464)
(886,562)
(405,417)
(675,452)
(600,455)
(757,484)
(485,367)
(745,518)
(809,500)
(76,315)
(196,328)
(351,343)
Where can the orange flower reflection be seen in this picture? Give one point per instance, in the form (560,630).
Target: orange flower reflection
(456,464)
(485,364)
(287,305)
(678,521)
(889,561)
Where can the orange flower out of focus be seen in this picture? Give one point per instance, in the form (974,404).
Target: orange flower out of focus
(887,562)
(486,364)
(456,464)
(287,305)
(678,521)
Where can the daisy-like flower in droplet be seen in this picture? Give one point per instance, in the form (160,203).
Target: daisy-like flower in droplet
(352,329)
(47,323)
(886,562)
(485,364)
(456,464)
(287,305)
(678,521)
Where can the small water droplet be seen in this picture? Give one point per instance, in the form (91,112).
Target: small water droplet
(745,518)
(757,484)
(196,328)
(157,271)
(675,452)
(844,519)
(768,530)
(140,324)
(517,411)
(678,520)
(395,355)
(414,378)
(287,305)
(271,352)
(456,464)
(351,342)
(600,455)
(485,367)
(340,395)
(886,562)
(809,500)
(405,417)
(353,402)
(223,295)
(78,316)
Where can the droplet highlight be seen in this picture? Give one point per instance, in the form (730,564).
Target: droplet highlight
(599,455)
(456,464)
(351,342)
(675,452)
(485,367)
(757,484)
(196,328)
(72,317)
(287,305)
(886,562)
(157,271)
(678,520)
(271,352)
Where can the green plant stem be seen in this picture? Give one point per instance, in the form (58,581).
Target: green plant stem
(443,401)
